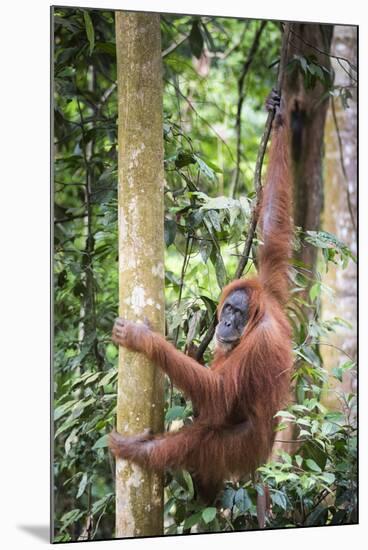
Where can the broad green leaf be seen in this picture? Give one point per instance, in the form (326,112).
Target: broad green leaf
(312,465)
(328,477)
(209,514)
(100,443)
(108,377)
(242,500)
(279,499)
(192,520)
(204,168)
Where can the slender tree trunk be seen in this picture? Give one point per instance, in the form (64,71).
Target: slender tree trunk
(339,216)
(139,493)
(308,114)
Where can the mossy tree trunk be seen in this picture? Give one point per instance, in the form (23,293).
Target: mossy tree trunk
(308,109)
(139,493)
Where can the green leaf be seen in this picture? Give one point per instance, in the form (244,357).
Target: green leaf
(174,412)
(299,460)
(313,465)
(107,378)
(100,443)
(192,520)
(106,47)
(209,514)
(338,372)
(279,499)
(219,203)
(228,497)
(242,500)
(196,40)
(89,31)
(189,484)
(63,409)
(219,266)
(99,504)
(205,168)
(314,291)
(328,477)
(70,517)
(318,516)
(169,231)
(205,249)
(82,485)
(215,219)
(285,414)
(303,63)
(329,242)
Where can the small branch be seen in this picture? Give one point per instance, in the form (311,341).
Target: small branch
(173,46)
(258,187)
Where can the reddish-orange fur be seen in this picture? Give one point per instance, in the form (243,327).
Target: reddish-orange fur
(238,396)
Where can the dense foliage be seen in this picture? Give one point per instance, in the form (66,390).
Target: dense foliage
(209,193)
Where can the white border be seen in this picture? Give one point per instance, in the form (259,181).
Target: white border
(24,270)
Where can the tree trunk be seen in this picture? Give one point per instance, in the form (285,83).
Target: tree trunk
(139,493)
(339,216)
(308,114)
(307,118)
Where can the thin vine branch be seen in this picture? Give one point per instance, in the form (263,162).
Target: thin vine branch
(258,188)
(174,45)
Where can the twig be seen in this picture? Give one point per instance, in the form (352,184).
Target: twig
(335,347)
(260,156)
(258,187)
(201,117)
(69,218)
(173,46)
(229,51)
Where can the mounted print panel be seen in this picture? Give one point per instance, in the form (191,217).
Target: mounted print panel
(205,278)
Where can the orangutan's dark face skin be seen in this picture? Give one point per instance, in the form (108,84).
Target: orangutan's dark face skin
(233,319)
